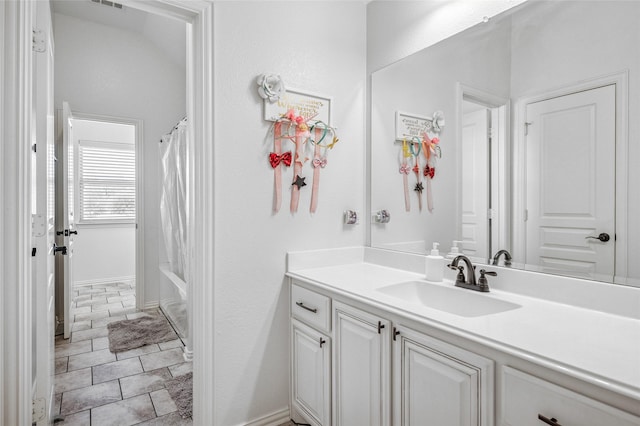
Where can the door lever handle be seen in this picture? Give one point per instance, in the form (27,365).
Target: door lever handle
(60,249)
(604,237)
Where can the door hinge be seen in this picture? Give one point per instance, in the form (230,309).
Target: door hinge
(38,225)
(34,148)
(38,41)
(490,214)
(38,412)
(33,252)
(526,215)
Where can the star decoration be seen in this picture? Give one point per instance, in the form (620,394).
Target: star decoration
(299,182)
(419,188)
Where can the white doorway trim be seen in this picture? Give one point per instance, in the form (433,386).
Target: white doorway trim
(15,212)
(140,223)
(15,180)
(621,82)
(500,164)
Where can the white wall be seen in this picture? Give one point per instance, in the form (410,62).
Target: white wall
(110,71)
(396,29)
(103,251)
(422,84)
(320,47)
(586,30)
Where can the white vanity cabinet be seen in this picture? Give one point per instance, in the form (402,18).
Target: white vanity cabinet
(343,372)
(531,401)
(435,383)
(311,373)
(361,369)
(311,355)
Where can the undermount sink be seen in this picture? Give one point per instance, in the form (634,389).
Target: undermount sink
(453,300)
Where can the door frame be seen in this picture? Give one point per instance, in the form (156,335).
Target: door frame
(621,81)
(139,222)
(500,164)
(15,185)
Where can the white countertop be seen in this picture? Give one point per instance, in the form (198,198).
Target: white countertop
(597,347)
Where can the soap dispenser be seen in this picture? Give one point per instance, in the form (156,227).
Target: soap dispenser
(434,265)
(455,251)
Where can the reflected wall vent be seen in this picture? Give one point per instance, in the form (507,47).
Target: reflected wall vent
(108,3)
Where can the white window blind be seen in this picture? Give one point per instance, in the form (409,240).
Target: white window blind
(106,182)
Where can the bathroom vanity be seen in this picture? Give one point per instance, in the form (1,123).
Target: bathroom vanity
(372,343)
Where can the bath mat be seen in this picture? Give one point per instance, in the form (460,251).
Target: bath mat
(181,390)
(131,334)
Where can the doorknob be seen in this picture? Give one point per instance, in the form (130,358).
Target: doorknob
(604,237)
(61,249)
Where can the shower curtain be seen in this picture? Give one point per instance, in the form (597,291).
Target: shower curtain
(173,202)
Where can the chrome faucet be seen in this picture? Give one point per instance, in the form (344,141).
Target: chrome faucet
(507,257)
(470,281)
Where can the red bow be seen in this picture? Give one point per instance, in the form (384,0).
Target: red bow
(275,159)
(429,171)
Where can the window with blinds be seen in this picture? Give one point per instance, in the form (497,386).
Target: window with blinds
(106,182)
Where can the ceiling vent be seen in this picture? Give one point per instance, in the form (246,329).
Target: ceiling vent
(108,3)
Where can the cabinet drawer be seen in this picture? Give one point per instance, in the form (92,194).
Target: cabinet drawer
(311,307)
(525,397)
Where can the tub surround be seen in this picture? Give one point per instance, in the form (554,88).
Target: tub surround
(586,330)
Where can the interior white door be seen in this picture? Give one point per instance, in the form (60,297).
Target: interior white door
(475,183)
(68,220)
(570,183)
(44,217)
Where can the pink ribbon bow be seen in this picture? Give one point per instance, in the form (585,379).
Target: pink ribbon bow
(405,169)
(320,162)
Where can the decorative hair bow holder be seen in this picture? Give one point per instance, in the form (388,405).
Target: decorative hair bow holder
(416,130)
(299,129)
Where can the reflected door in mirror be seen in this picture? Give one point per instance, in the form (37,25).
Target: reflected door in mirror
(570,183)
(475,183)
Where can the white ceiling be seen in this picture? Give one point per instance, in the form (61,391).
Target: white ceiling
(168,35)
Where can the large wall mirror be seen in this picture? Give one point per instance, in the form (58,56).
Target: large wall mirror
(540,147)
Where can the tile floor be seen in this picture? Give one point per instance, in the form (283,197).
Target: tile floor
(94,387)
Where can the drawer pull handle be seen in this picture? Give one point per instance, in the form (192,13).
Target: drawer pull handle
(395,333)
(322,341)
(314,310)
(550,421)
(380,327)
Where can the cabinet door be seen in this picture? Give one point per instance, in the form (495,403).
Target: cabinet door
(361,368)
(310,373)
(437,384)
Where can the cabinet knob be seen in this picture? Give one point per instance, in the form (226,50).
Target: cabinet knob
(550,421)
(380,327)
(322,341)
(395,333)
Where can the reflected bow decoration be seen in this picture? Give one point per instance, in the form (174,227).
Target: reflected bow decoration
(320,162)
(275,159)
(429,171)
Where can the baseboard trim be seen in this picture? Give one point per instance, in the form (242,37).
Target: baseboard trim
(152,305)
(273,419)
(86,283)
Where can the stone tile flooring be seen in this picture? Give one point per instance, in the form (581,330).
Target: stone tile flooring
(94,387)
